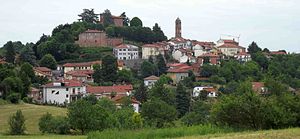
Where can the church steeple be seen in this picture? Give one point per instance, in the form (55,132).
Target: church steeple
(178,28)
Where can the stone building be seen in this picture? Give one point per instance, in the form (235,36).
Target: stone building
(118,20)
(96,38)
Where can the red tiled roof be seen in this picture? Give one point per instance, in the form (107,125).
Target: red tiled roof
(173,65)
(83,64)
(118,99)
(42,69)
(278,53)
(209,55)
(209,89)
(256,86)
(152,77)
(151,45)
(182,69)
(80,73)
(109,89)
(66,83)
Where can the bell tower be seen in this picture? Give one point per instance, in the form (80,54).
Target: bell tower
(178,28)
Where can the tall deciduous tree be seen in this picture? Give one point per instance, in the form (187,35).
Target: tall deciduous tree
(88,16)
(48,61)
(10,52)
(182,100)
(147,69)
(160,91)
(158,113)
(27,55)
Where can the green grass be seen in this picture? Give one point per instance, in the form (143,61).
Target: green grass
(42,137)
(32,115)
(159,133)
(293,133)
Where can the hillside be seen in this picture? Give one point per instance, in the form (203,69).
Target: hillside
(31,112)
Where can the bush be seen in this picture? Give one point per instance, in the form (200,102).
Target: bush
(27,99)
(13,98)
(50,124)
(17,123)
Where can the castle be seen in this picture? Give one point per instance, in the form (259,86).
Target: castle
(96,38)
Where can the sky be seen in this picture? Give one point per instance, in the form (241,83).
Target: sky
(273,24)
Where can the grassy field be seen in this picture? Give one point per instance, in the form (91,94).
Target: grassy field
(293,133)
(42,137)
(31,112)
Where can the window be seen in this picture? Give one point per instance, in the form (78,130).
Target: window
(67,95)
(124,49)
(78,89)
(73,90)
(67,89)
(120,50)
(57,93)
(52,91)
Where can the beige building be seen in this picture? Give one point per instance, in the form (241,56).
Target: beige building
(79,66)
(152,50)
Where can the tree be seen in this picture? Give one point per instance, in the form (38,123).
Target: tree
(147,69)
(88,16)
(141,94)
(107,18)
(159,34)
(209,70)
(17,123)
(10,52)
(48,61)
(109,68)
(260,59)
(161,64)
(28,70)
(28,55)
(125,19)
(87,117)
(182,100)
(161,92)
(266,50)
(12,85)
(158,113)
(199,113)
(136,22)
(253,48)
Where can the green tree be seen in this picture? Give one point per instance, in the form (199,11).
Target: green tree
(160,91)
(161,64)
(12,85)
(147,69)
(158,113)
(87,117)
(200,113)
(28,55)
(261,60)
(141,94)
(109,68)
(17,123)
(48,61)
(107,18)
(253,48)
(10,52)
(182,100)
(136,22)
(45,123)
(88,16)
(125,76)
(28,70)
(209,70)
(159,34)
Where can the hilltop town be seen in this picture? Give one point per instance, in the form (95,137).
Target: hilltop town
(104,57)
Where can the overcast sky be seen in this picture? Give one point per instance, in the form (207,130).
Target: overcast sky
(274,24)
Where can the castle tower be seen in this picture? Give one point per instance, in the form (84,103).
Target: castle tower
(178,28)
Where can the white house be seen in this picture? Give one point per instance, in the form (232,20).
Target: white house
(243,57)
(61,92)
(126,52)
(211,92)
(150,81)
